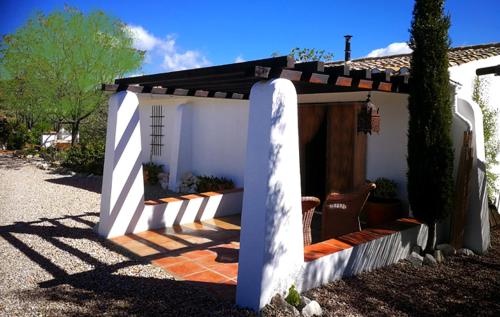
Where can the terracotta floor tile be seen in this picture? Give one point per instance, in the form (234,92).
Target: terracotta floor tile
(208,260)
(142,251)
(227,269)
(191,239)
(185,268)
(206,276)
(227,225)
(169,261)
(225,254)
(198,226)
(122,239)
(194,254)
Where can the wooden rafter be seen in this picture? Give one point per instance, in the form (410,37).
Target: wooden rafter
(235,80)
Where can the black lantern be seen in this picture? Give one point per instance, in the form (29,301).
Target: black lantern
(368,118)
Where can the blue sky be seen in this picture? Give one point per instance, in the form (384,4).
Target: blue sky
(186,34)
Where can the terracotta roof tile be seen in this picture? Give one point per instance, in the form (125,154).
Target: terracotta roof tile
(456,56)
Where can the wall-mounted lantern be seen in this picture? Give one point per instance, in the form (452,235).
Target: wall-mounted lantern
(369,118)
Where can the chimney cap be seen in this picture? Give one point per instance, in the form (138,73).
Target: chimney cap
(347,36)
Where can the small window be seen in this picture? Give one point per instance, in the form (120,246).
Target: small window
(156,130)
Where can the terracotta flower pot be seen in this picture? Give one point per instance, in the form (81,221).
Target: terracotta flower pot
(381,212)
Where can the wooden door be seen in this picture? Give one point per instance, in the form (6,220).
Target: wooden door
(346,148)
(332,152)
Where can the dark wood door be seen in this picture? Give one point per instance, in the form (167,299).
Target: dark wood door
(346,148)
(332,152)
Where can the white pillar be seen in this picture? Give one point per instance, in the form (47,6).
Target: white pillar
(122,198)
(271,242)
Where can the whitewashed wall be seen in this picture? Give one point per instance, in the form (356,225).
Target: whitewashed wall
(465,74)
(205,136)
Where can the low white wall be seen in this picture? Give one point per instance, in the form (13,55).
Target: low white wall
(361,258)
(187,209)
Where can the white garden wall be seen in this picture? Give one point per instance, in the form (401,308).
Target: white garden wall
(464,75)
(205,136)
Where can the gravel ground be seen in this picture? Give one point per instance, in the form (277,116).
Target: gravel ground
(53,264)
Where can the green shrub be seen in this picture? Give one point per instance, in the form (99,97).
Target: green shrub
(152,171)
(51,154)
(18,136)
(386,189)
(293,297)
(85,158)
(212,183)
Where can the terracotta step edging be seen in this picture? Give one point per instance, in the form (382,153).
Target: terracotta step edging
(318,250)
(166,200)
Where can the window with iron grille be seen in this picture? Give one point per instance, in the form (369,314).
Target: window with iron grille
(156,130)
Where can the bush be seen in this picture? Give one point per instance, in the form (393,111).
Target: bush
(212,183)
(386,189)
(293,297)
(85,158)
(152,171)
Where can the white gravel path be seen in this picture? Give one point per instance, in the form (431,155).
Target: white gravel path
(53,264)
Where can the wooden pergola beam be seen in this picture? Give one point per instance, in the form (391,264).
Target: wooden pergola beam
(229,70)
(488,70)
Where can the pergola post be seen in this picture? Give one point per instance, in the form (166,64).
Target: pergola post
(271,241)
(122,199)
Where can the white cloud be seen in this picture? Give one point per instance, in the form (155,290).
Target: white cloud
(143,40)
(239,59)
(391,49)
(165,53)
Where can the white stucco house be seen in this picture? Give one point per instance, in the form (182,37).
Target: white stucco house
(272,127)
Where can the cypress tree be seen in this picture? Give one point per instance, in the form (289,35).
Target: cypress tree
(430,152)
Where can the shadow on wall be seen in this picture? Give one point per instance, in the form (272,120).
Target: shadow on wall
(105,287)
(477,229)
(186,209)
(364,256)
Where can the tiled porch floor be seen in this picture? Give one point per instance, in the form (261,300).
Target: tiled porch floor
(206,252)
(202,252)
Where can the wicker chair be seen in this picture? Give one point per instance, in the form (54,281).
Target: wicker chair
(341,211)
(309,204)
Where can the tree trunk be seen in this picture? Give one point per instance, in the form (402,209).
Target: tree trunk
(75,126)
(431,238)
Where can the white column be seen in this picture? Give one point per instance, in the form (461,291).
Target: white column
(122,198)
(271,243)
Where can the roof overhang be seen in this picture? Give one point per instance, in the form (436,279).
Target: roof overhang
(236,80)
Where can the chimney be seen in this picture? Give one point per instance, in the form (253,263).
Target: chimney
(347,47)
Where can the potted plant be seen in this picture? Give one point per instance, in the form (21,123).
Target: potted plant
(150,172)
(383,206)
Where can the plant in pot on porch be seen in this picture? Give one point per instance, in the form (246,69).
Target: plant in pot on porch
(382,206)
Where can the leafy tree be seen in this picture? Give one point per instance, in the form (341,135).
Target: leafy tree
(490,126)
(430,152)
(55,64)
(310,54)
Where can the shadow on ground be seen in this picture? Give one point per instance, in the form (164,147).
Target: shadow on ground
(93,184)
(105,289)
(462,286)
